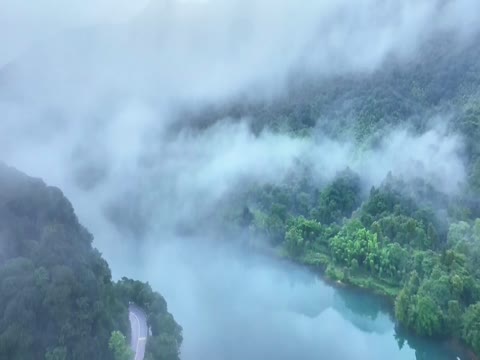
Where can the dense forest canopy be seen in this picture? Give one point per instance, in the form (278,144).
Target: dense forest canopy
(409,237)
(57,296)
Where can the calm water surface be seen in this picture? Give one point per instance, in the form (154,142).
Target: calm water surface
(234,306)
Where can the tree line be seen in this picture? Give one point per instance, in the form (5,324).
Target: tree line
(393,240)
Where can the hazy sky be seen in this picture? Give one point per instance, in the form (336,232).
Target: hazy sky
(88,89)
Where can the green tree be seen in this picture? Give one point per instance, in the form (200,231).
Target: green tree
(427,317)
(294,241)
(339,199)
(454,318)
(402,307)
(405,300)
(118,345)
(57,296)
(471,327)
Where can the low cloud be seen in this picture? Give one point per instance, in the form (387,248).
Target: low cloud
(88,91)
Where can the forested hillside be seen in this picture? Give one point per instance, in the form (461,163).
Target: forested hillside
(57,297)
(407,237)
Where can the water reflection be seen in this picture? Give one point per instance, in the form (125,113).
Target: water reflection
(236,306)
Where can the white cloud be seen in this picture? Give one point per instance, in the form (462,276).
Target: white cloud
(91,87)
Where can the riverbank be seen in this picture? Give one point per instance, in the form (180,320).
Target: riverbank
(334,276)
(387,296)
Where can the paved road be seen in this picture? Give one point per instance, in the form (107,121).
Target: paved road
(138,323)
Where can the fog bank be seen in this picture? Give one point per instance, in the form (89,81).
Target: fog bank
(89,91)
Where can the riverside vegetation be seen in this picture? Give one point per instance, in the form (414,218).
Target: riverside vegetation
(406,239)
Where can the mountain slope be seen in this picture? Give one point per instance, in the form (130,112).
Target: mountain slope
(57,298)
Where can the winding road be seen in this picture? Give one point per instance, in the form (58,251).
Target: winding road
(138,323)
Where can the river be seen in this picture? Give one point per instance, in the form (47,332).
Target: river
(238,306)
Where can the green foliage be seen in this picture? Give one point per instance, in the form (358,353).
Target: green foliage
(427,317)
(316,259)
(294,241)
(302,234)
(339,199)
(402,307)
(453,319)
(393,244)
(166,339)
(56,289)
(401,229)
(56,294)
(334,273)
(471,327)
(404,239)
(118,345)
(271,226)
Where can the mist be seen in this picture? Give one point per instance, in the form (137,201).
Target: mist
(88,95)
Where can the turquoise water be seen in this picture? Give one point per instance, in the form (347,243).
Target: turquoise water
(366,321)
(235,306)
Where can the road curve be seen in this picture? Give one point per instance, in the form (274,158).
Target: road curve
(139,334)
